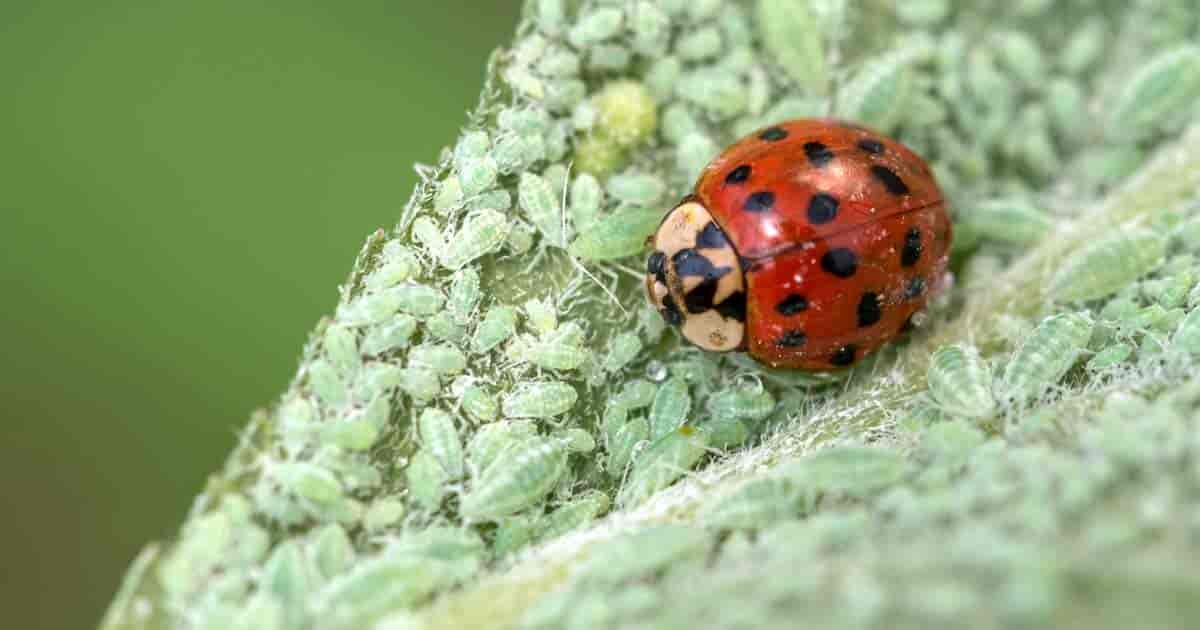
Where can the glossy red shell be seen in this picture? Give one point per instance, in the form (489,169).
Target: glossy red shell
(843,234)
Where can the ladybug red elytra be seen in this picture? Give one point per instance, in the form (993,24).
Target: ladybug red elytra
(807,244)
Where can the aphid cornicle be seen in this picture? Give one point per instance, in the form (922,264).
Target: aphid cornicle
(807,244)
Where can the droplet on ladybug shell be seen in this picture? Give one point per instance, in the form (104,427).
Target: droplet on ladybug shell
(807,244)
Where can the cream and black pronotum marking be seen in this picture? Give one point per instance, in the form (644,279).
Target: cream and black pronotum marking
(695,280)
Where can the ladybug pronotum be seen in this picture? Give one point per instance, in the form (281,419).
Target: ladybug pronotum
(808,244)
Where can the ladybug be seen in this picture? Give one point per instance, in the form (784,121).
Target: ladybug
(808,244)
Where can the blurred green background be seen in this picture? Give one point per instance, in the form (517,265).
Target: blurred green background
(185,183)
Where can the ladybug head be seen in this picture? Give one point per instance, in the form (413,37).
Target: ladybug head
(694,280)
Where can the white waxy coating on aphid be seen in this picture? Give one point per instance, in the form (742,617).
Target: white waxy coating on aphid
(707,329)
(439,436)
(532,468)
(670,409)
(960,382)
(664,461)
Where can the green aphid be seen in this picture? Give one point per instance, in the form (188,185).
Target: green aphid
(744,403)
(720,95)
(644,552)
(670,409)
(383,514)
(391,336)
(651,28)
(459,551)
(402,265)
(514,533)
(477,175)
(482,233)
(1160,89)
(624,445)
(417,299)
(559,350)
(420,383)
(560,64)
(288,576)
(309,481)
(439,436)
(662,79)
(1084,46)
(595,26)
(699,44)
(441,358)
(1186,339)
(579,440)
(491,439)
(853,470)
(541,316)
(608,58)
(427,480)
(923,12)
(1045,357)
(525,472)
(1155,319)
(573,514)
(480,404)
(725,432)
(331,550)
(636,188)
(539,400)
(664,461)
(758,503)
(624,349)
(635,394)
(445,327)
(879,94)
(1108,265)
(326,383)
(1020,55)
(1109,357)
(542,207)
(355,433)
(960,382)
(449,196)
(618,235)
(376,587)
(587,199)
(794,37)
(497,326)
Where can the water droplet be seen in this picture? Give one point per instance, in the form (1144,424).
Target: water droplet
(656,371)
(919,319)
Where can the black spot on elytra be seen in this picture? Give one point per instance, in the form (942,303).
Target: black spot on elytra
(891,181)
(869,310)
(700,298)
(710,237)
(734,306)
(910,253)
(822,208)
(670,312)
(760,201)
(792,304)
(818,154)
(843,356)
(915,288)
(871,145)
(738,175)
(689,262)
(773,134)
(656,266)
(792,339)
(840,262)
